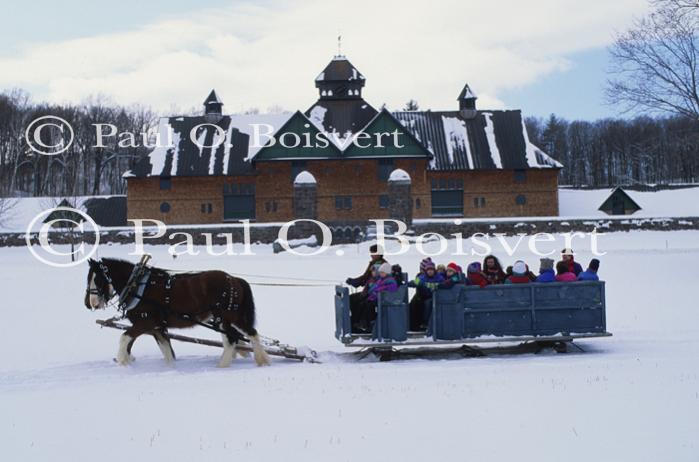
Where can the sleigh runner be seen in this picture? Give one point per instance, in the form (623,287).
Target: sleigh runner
(272,347)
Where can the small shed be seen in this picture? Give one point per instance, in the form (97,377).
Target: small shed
(66,218)
(107,211)
(619,203)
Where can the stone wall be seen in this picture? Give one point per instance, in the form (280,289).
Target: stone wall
(343,233)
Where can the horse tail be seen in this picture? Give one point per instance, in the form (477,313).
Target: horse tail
(248,306)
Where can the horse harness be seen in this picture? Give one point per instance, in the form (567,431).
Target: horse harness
(141,277)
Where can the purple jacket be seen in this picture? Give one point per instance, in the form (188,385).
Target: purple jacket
(387,284)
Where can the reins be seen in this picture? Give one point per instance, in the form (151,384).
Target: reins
(283,284)
(314,282)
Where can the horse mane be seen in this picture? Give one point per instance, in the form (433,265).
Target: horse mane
(118,260)
(155,269)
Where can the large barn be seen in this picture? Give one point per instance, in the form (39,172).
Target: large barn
(343,161)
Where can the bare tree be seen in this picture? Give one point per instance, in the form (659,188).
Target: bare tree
(411,105)
(682,6)
(7,205)
(655,63)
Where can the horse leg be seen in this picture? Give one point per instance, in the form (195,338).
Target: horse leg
(229,338)
(126,340)
(128,350)
(260,355)
(164,344)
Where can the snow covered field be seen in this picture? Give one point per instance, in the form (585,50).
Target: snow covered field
(631,397)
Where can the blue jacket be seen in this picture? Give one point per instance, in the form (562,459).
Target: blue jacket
(426,284)
(547,275)
(588,275)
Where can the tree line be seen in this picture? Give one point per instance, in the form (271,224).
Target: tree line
(83,168)
(613,152)
(601,153)
(654,71)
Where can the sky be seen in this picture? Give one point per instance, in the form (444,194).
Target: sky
(541,56)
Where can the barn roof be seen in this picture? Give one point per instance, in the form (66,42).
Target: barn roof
(618,192)
(490,140)
(339,69)
(107,211)
(212,98)
(178,155)
(466,93)
(343,117)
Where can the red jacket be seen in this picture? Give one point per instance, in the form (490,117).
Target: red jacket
(518,279)
(477,279)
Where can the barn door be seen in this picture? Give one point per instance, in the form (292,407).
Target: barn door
(238,201)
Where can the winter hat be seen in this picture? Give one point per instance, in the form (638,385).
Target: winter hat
(546,264)
(454,267)
(385,268)
(426,263)
(474,267)
(567,251)
(519,267)
(594,264)
(376,249)
(441,268)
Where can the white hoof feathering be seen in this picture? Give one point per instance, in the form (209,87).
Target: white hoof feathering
(228,352)
(242,353)
(261,357)
(123,357)
(165,348)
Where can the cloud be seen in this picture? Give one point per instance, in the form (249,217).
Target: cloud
(268,54)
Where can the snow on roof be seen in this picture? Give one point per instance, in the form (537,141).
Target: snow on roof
(166,140)
(305,177)
(492,142)
(457,138)
(399,175)
(493,139)
(535,156)
(211,154)
(317,116)
(682,202)
(467,93)
(246,123)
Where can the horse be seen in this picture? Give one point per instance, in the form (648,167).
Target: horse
(176,300)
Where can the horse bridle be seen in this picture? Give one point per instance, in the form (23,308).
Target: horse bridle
(97,291)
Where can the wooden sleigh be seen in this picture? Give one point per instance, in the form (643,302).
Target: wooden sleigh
(534,316)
